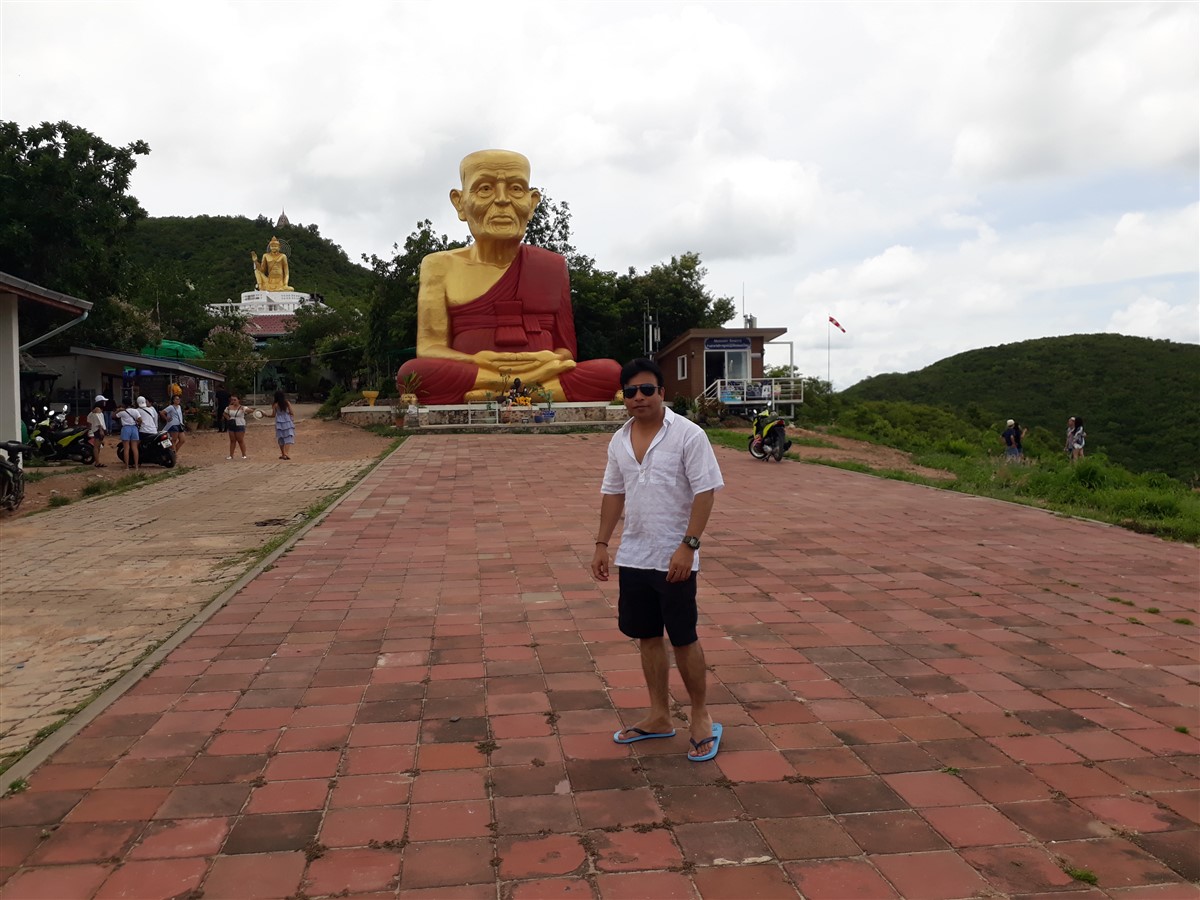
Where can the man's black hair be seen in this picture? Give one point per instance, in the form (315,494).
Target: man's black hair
(641,364)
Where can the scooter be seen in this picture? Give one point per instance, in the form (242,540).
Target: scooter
(154,447)
(12,479)
(53,440)
(770,436)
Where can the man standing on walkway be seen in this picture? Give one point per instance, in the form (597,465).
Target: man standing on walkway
(662,473)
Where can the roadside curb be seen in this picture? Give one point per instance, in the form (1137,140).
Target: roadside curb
(28,763)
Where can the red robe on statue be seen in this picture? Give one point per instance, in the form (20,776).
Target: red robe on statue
(527,310)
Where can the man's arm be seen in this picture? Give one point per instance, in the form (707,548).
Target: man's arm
(611,507)
(680,567)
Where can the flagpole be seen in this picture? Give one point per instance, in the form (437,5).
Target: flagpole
(828,341)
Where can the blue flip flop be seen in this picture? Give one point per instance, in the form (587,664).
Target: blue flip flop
(715,740)
(639,735)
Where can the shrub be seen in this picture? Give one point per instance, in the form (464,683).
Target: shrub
(333,404)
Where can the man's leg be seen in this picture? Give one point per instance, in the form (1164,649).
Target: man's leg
(656,669)
(693,669)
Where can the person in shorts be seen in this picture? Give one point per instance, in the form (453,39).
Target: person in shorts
(663,475)
(130,420)
(172,418)
(97,428)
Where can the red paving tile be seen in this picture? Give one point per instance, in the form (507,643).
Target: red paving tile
(839,879)
(909,709)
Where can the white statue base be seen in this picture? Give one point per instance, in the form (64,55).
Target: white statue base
(261,303)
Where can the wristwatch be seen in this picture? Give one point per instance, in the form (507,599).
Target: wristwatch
(693,542)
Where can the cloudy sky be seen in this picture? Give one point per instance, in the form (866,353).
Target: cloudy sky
(938,177)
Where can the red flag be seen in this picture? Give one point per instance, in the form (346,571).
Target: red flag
(834,321)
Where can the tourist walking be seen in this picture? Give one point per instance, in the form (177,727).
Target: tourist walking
(1013,433)
(235,424)
(1076,439)
(285,423)
(663,475)
(173,420)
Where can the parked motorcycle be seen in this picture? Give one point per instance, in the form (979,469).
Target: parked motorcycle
(12,479)
(52,439)
(152,448)
(770,436)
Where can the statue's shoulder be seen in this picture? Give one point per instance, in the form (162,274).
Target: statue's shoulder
(543,258)
(436,265)
(445,259)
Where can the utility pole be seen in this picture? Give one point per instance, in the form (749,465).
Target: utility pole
(651,333)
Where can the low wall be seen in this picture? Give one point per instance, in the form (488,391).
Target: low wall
(483,415)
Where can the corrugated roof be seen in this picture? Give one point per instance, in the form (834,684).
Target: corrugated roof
(268,325)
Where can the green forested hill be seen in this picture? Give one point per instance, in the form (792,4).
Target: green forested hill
(1138,397)
(213,252)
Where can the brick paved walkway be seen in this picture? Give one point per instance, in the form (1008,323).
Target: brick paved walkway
(91,587)
(924,694)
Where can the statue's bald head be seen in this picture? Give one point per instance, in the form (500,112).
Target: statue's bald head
(501,158)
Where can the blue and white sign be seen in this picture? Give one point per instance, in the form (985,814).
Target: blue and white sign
(727,343)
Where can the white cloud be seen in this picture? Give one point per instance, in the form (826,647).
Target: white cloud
(937,176)
(1153,318)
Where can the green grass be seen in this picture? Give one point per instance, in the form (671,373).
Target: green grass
(58,500)
(1182,621)
(1094,488)
(43,471)
(131,481)
(1087,876)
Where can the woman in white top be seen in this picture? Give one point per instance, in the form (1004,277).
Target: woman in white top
(172,419)
(96,429)
(235,423)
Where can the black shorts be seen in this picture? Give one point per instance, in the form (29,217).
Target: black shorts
(236,429)
(649,603)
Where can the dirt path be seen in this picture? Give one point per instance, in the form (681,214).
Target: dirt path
(90,587)
(847,450)
(317,440)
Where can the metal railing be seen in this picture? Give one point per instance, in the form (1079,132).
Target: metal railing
(756,391)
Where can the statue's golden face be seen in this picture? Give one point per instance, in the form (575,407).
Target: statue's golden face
(273,246)
(496,200)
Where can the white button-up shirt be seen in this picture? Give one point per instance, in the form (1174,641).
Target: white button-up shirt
(659,490)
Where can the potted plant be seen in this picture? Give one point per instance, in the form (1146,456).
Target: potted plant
(545,395)
(409,385)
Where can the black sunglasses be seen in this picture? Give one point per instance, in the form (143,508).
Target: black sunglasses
(648,390)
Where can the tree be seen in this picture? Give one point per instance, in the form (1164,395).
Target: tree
(321,337)
(231,352)
(675,293)
(550,226)
(64,209)
(392,315)
(177,305)
(64,206)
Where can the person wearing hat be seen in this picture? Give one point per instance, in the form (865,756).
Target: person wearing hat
(97,428)
(149,417)
(1013,433)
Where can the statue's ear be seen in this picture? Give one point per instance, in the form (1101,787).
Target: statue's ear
(536,196)
(456,197)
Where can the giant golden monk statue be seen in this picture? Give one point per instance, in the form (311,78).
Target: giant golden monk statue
(499,309)
(271,272)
